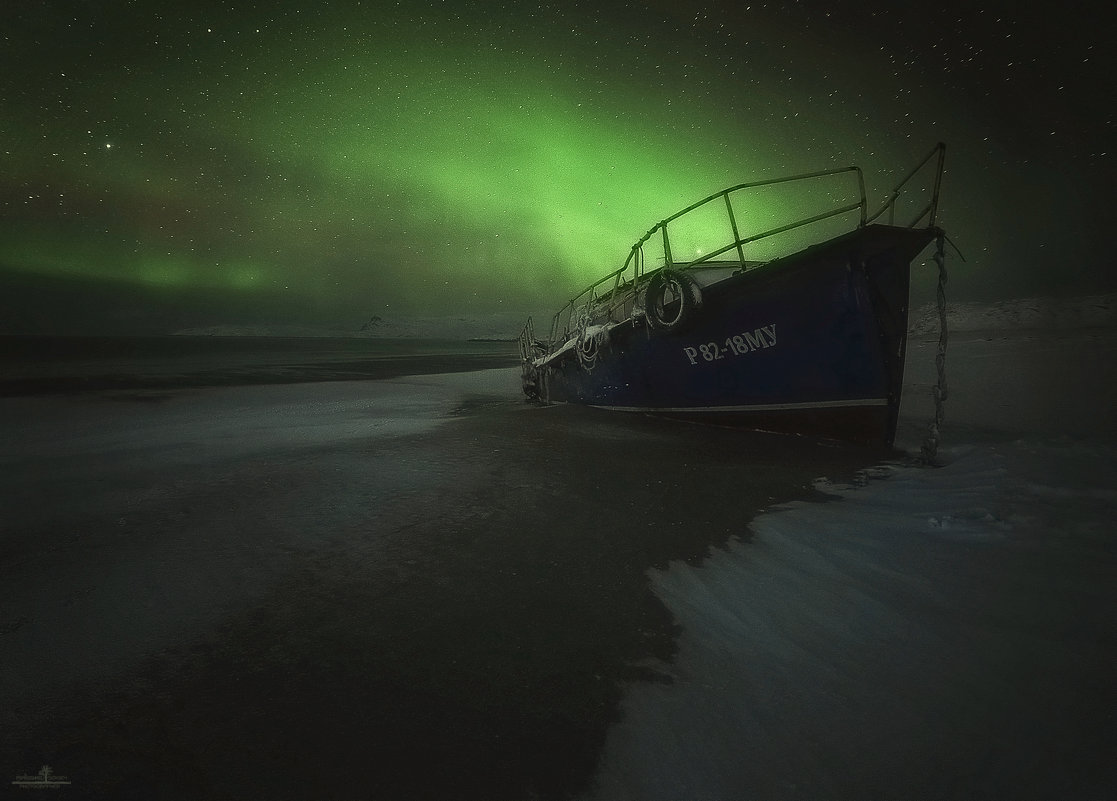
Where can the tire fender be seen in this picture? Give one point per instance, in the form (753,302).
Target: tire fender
(659,304)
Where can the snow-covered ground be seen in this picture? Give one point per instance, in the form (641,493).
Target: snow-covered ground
(1039,314)
(943,633)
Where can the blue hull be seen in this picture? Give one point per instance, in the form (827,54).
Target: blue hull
(810,343)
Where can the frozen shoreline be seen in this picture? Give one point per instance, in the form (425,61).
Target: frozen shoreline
(942,633)
(350,571)
(939,634)
(427,564)
(1039,315)
(1015,382)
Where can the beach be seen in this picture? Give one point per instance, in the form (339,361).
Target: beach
(421,586)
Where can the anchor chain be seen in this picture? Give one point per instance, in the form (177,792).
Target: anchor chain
(929,451)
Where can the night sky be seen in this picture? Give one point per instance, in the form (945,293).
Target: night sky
(175,164)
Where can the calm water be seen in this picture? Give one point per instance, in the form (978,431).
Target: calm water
(30,365)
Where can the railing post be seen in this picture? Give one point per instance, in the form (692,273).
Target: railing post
(938,184)
(668,261)
(864,196)
(736,233)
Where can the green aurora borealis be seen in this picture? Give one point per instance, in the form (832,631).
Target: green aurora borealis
(322,163)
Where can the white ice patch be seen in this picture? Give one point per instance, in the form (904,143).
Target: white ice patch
(203,424)
(852,649)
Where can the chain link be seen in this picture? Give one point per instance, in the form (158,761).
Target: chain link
(930,449)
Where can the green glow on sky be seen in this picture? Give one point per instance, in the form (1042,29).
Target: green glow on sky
(431,160)
(144,267)
(519,161)
(415,173)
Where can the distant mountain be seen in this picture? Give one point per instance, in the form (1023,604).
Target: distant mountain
(1019,313)
(499,326)
(263,330)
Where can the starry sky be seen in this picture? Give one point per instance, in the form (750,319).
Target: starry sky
(176,164)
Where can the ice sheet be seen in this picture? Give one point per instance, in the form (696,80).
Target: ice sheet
(934,633)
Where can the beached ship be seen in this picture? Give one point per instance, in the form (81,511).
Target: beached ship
(808,341)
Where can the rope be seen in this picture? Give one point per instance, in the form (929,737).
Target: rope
(586,347)
(929,452)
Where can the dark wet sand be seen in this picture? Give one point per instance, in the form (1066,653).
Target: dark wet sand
(448,614)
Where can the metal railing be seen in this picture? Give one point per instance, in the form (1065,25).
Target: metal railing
(930,211)
(603,304)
